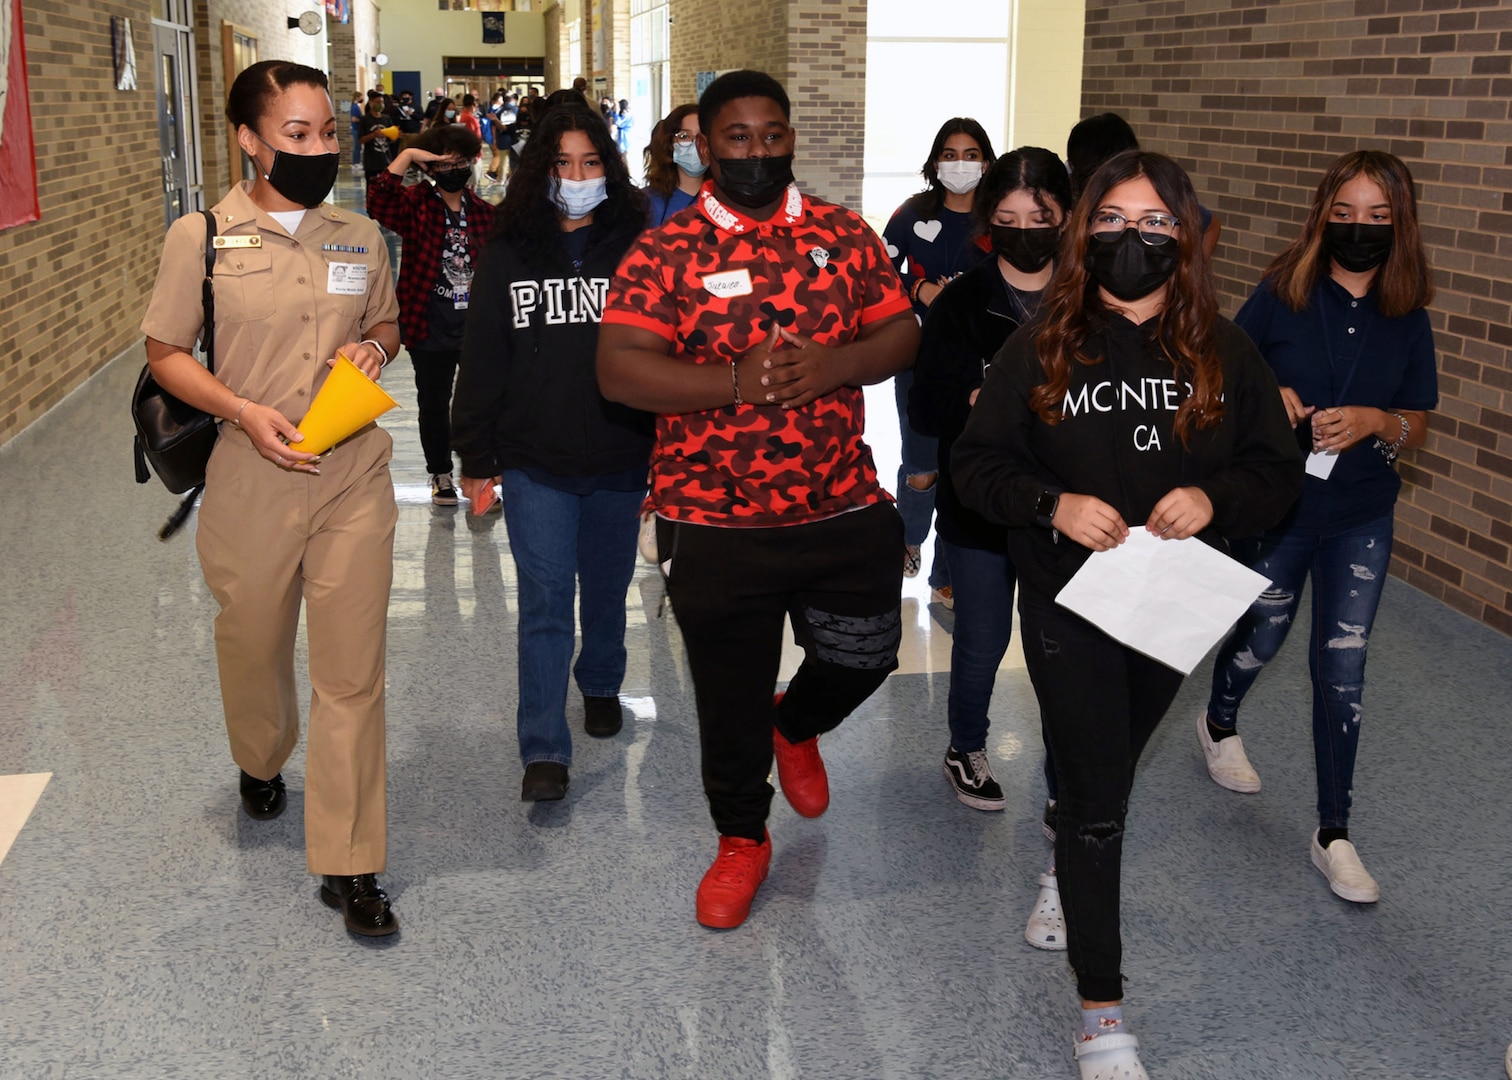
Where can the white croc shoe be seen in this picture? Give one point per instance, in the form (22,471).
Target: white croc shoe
(1047,926)
(1110,1057)
(1226,761)
(1340,863)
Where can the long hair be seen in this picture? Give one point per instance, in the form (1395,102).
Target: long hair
(928,202)
(1186,326)
(1402,282)
(1030,168)
(527,218)
(439,116)
(661,171)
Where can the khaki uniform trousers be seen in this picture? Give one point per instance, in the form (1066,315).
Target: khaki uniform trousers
(268,539)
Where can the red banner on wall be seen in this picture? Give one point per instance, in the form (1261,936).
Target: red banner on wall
(18,152)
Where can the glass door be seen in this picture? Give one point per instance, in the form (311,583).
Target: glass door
(178,129)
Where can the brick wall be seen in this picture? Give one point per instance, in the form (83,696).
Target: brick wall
(75,283)
(827,83)
(815,48)
(1255,99)
(714,35)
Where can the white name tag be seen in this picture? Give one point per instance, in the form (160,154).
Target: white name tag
(1320,465)
(347,279)
(729,283)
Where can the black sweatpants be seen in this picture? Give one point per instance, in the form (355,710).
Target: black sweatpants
(839,580)
(435,374)
(1099,704)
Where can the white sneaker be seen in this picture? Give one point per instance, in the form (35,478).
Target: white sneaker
(1109,1057)
(1047,926)
(1226,760)
(1340,863)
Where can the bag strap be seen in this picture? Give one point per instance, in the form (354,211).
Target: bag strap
(207,290)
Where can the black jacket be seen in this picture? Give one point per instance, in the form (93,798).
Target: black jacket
(527,392)
(1116,442)
(966,326)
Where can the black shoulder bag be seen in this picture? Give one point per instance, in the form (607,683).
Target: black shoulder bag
(173,438)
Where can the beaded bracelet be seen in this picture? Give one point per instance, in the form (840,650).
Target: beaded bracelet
(1390,450)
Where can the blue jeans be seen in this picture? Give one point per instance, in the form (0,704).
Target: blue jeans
(983,583)
(920,458)
(1348,570)
(557,537)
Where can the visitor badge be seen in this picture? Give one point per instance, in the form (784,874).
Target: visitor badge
(459,299)
(347,279)
(1321,464)
(729,283)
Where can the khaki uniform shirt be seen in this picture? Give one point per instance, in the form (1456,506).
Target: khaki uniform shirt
(281,308)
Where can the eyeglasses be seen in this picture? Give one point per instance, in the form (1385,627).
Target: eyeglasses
(683,137)
(1154,229)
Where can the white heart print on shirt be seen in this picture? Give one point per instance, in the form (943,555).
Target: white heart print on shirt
(928,230)
(892,252)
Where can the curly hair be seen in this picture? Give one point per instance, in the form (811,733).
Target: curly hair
(449,140)
(661,171)
(1402,282)
(528,219)
(1186,328)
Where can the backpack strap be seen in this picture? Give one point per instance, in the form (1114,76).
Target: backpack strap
(207,291)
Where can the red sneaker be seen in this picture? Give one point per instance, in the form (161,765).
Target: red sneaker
(726,891)
(801,775)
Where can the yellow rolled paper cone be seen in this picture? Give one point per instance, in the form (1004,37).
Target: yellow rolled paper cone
(348,402)
(390,132)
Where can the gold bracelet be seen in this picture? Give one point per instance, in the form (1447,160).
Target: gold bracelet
(735,378)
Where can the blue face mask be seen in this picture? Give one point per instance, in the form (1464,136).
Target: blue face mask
(451,114)
(685,155)
(577,198)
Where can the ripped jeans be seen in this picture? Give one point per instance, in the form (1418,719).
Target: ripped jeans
(1099,704)
(733,591)
(1348,570)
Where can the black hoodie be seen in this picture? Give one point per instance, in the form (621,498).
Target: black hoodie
(1116,441)
(527,391)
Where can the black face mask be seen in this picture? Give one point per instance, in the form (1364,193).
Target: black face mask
(305,179)
(1128,267)
(754,182)
(1355,246)
(451,179)
(1027,250)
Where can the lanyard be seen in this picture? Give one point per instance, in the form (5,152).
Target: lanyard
(1328,345)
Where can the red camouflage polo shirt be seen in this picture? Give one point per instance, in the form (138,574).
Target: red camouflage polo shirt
(711,281)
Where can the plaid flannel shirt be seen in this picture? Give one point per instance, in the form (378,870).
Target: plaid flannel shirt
(418,215)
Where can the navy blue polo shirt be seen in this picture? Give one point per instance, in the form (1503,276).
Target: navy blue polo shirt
(1340,350)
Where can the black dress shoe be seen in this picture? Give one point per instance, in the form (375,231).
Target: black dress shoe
(545,781)
(362,902)
(601,716)
(263,799)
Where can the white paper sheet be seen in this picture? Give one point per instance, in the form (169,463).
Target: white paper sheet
(1169,599)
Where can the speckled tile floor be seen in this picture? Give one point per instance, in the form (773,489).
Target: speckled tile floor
(148,929)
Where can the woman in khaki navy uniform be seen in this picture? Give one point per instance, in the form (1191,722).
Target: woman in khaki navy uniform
(296,282)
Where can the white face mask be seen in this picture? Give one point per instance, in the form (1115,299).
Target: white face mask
(960,177)
(685,155)
(577,198)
